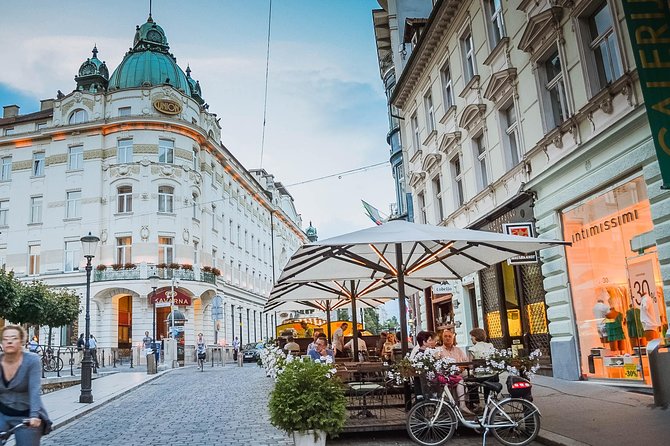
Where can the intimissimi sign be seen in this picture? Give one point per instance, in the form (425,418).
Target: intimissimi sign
(604,226)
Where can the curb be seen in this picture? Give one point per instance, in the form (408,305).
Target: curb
(95,405)
(549,438)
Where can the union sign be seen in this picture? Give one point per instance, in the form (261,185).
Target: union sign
(167,106)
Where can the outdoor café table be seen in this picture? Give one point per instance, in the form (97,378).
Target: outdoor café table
(368,381)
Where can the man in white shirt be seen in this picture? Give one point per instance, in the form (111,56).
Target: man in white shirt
(362,346)
(338,339)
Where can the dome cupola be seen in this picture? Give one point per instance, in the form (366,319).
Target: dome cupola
(93,74)
(311,233)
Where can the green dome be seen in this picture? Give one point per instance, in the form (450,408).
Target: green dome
(149,62)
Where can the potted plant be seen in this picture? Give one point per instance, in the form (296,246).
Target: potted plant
(101,267)
(216,271)
(173,265)
(129,265)
(162,265)
(187,267)
(116,266)
(308,401)
(207,269)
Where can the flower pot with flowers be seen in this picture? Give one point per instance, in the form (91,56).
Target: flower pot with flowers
(308,401)
(520,370)
(430,370)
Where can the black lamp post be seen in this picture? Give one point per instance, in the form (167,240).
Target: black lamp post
(89,244)
(153,283)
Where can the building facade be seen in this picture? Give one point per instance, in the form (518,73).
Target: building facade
(527,117)
(136,158)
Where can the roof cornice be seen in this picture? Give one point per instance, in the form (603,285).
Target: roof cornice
(438,23)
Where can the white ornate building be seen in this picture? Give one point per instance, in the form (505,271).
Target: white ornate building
(137,159)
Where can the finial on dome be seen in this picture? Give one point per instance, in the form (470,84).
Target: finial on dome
(150,19)
(188,71)
(95,50)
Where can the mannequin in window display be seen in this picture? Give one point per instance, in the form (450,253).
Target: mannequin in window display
(649,317)
(634,326)
(615,334)
(600,310)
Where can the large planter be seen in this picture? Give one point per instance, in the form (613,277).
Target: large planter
(309,438)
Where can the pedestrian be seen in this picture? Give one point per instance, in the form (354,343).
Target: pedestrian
(33,345)
(338,340)
(236,348)
(201,348)
(81,344)
(20,396)
(147,341)
(93,348)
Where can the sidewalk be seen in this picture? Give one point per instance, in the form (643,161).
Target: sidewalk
(63,405)
(581,412)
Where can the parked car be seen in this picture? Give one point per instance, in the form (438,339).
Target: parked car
(251,352)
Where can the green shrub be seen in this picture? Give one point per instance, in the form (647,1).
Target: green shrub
(306,396)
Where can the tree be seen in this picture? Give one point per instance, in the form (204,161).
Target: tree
(392,323)
(9,287)
(371,318)
(28,307)
(343,314)
(61,307)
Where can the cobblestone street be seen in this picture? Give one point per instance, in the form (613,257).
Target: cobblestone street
(222,406)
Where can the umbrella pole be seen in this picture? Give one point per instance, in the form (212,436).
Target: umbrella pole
(403,315)
(328,320)
(354,320)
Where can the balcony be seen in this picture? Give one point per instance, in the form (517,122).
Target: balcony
(143,271)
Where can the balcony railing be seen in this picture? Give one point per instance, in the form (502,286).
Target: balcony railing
(143,271)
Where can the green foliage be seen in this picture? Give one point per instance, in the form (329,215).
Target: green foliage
(9,287)
(371,318)
(61,307)
(28,308)
(392,323)
(307,397)
(343,314)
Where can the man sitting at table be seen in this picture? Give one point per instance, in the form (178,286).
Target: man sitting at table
(291,345)
(321,352)
(362,347)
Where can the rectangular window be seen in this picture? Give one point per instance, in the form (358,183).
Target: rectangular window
(6,169)
(437,198)
(196,257)
(480,153)
(36,209)
(511,127)
(75,158)
(554,95)
(603,45)
(422,207)
(73,204)
(496,24)
(125,199)
(72,256)
(38,164)
(447,88)
(124,151)
(468,49)
(239,236)
(457,174)
(9,131)
(165,249)
(124,250)
(214,228)
(430,115)
(33,260)
(4,212)
(165,151)
(194,206)
(195,160)
(40,126)
(165,199)
(214,254)
(124,111)
(414,122)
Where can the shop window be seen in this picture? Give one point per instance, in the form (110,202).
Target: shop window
(617,292)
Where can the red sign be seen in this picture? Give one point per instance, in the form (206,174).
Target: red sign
(163,296)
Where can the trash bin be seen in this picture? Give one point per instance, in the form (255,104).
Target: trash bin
(151,364)
(659,367)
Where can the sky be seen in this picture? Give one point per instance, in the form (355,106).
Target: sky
(326,111)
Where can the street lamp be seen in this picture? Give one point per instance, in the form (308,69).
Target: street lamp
(89,244)
(153,283)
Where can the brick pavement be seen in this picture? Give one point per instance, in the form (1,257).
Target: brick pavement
(222,406)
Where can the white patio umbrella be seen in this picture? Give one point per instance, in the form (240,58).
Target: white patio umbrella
(405,251)
(329,295)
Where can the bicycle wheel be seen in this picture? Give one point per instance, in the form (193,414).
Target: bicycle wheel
(49,364)
(58,364)
(427,429)
(523,414)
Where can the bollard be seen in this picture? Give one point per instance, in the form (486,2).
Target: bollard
(114,356)
(240,360)
(71,361)
(131,359)
(58,362)
(42,361)
(103,358)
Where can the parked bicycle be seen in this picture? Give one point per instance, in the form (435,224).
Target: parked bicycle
(51,362)
(5,436)
(513,421)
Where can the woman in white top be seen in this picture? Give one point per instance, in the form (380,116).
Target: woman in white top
(480,348)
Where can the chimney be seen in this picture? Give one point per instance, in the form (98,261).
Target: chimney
(46,104)
(10,111)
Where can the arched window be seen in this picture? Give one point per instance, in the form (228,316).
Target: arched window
(125,199)
(166,199)
(78,116)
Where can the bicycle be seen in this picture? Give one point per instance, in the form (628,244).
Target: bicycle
(513,421)
(5,436)
(201,361)
(51,362)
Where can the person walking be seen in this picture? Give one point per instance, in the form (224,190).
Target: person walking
(81,344)
(338,339)
(147,341)
(20,394)
(93,347)
(236,348)
(201,348)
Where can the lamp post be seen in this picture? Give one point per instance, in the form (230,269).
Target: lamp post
(153,283)
(89,244)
